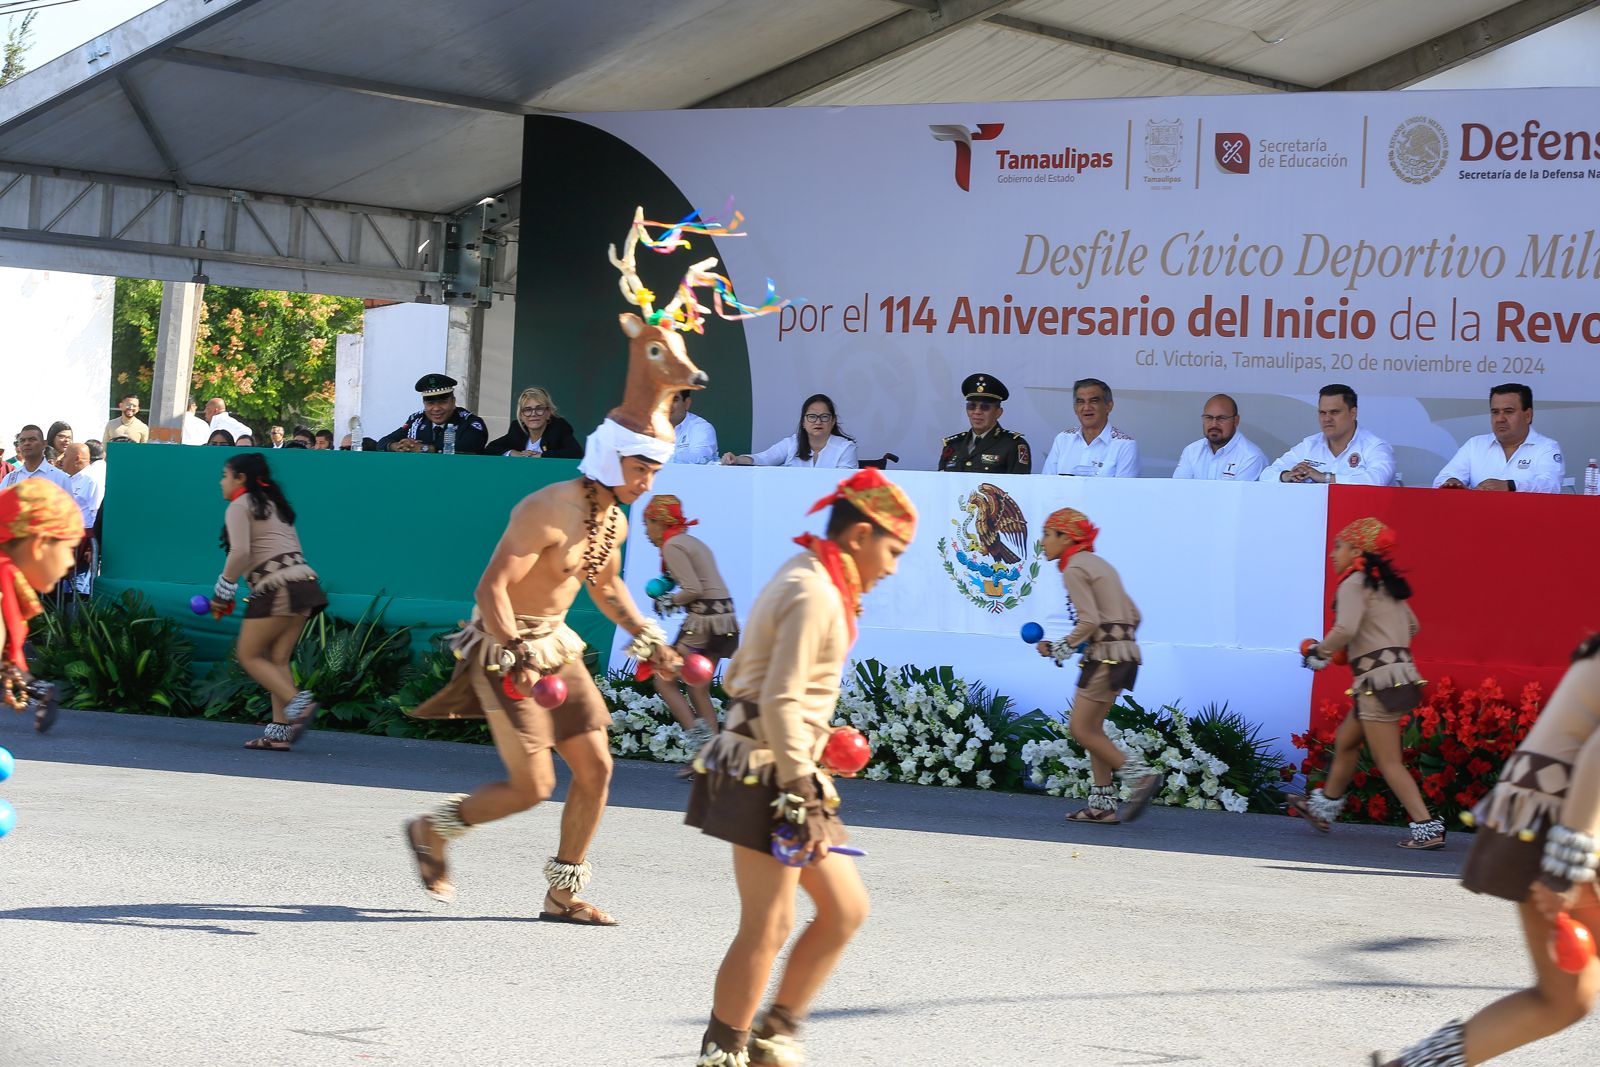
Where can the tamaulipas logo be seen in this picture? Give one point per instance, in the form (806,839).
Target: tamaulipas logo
(963,138)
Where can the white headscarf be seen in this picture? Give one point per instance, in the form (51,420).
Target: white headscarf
(603,452)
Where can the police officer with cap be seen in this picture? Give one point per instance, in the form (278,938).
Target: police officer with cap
(440,426)
(986,448)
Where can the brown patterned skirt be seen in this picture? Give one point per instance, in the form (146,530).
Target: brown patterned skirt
(1102,681)
(727,808)
(304,597)
(712,629)
(1526,801)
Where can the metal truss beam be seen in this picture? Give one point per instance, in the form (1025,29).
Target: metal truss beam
(1456,46)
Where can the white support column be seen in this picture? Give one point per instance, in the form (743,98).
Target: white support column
(463,353)
(175,339)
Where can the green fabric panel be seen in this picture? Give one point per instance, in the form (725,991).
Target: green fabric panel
(580,186)
(372,524)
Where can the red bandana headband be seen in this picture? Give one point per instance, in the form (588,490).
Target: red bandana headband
(1369,536)
(876,497)
(34,508)
(1079,530)
(668,510)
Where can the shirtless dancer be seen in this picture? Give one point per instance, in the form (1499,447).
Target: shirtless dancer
(559,538)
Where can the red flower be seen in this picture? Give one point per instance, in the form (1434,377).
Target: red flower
(1479,767)
(1360,779)
(1378,807)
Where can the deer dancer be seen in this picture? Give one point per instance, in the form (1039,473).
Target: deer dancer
(559,539)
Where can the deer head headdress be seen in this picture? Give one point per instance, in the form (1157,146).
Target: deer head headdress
(659,366)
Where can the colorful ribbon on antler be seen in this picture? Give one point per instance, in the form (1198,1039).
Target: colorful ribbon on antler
(685,312)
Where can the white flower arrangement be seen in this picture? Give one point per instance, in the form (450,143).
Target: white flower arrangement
(1061,767)
(642,726)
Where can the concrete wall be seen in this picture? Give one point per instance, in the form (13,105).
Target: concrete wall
(55,358)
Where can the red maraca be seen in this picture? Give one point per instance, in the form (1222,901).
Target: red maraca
(847,751)
(696,669)
(1571,944)
(1338,659)
(548,692)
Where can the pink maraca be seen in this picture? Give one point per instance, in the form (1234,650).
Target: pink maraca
(696,669)
(550,692)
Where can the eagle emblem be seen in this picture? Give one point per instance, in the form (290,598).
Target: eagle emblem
(989,554)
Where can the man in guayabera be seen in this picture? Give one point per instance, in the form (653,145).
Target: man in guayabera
(561,538)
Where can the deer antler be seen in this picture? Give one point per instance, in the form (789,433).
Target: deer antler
(685,312)
(633,289)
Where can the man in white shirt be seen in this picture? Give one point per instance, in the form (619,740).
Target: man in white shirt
(1223,454)
(275,435)
(1514,457)
(1342,452)
(1094,448)
(127,425)
(697,438)
(84,486)
(31,462)
(219,419)
(193,427)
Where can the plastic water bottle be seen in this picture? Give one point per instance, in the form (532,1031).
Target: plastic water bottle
(355,433)
(1591,478)
(1399,480)
(450,439)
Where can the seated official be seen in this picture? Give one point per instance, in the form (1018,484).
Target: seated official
(1094,448)
(697,438)
(539,431)
(440,426)
(818,442)
(985,446)
(1342,452)
(1513,456)
(1223,454)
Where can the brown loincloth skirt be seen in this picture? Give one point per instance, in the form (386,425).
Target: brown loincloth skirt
(1101,681)
(303,597)
(725,808)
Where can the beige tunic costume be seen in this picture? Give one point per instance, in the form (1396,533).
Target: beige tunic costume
(1377,630)
(711,626)
(1108,621)
(266,553)
(1533,789)
(784,685)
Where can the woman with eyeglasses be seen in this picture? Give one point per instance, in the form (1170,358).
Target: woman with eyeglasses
(540,430)
(817,442)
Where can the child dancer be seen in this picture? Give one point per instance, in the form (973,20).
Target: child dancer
(1538,846)
(761,772)
(1107,622)
(1373,621)
(711,628)
(264,549)
(40,527)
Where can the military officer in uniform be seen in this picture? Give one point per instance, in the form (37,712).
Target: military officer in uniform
(440,426)
(986,448)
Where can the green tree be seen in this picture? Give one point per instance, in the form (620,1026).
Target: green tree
(268,354)
(19,38)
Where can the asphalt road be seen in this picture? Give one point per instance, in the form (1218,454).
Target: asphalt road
(170,898)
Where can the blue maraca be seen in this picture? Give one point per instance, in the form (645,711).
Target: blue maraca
(1032,633)
(8,818)
(7,764)
(786,852)
(199,603)
(659,586)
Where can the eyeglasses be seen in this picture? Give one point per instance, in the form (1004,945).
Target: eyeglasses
(819,420)
(980,405)
(534,413)
(1218,418)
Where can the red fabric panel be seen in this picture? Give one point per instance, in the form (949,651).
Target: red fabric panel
(1505,584)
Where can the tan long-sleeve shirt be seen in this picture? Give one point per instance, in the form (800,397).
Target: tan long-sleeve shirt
(266,552)
(789,667)
(1107,615)
(690,563)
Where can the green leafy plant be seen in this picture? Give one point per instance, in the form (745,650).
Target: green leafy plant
(115,655)
(431,674)
(354,669)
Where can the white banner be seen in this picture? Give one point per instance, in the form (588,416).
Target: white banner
(1419,247)
(1228,578)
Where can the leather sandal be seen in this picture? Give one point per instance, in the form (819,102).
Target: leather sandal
(578,913)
